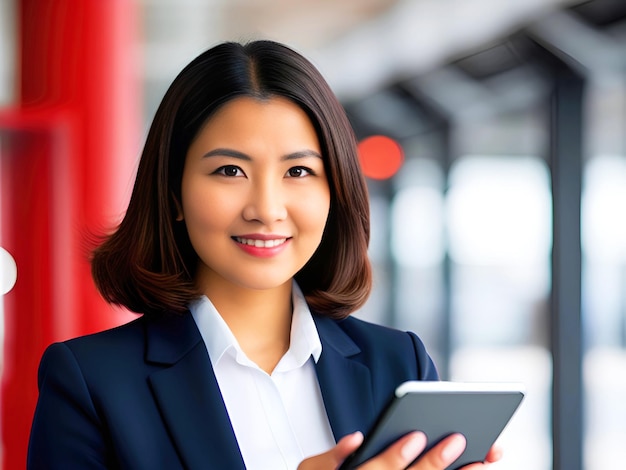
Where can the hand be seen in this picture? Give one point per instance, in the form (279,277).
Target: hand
(400,454)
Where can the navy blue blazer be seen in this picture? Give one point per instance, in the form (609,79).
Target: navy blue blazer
(144,395)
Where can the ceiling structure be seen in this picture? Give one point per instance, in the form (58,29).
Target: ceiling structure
(509,70)
(402,67)
(359,45)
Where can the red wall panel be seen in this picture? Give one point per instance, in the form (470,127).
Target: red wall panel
(67,156)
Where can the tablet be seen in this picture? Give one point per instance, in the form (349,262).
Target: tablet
(479,411)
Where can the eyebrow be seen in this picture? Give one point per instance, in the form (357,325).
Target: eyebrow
(242,156)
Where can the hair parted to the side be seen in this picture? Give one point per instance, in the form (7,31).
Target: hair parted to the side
(148,264)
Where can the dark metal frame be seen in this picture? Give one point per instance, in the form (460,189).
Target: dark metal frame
(566,162)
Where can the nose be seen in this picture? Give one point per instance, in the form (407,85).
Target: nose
(266,203)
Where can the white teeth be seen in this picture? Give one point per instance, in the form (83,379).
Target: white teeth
(261,243)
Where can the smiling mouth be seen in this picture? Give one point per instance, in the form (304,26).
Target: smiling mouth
(260,243)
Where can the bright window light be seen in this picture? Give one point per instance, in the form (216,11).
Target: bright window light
(603,202)
(418,221)
(499,211)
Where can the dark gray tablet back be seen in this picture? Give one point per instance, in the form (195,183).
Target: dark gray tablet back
(479,416)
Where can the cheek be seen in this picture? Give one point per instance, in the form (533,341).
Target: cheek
(313,214)
(206,210)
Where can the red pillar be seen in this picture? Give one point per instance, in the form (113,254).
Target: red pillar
(66,167)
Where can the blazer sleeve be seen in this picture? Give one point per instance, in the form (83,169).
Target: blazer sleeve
(66,430)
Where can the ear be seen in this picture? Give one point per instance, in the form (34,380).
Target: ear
(179,209)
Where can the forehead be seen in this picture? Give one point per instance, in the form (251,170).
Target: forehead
(245,109)
(245,120)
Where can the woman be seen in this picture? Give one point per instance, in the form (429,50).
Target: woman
(244,247)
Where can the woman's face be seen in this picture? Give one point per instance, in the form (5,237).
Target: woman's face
(255,196)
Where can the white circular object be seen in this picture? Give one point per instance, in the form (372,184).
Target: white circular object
(8,271)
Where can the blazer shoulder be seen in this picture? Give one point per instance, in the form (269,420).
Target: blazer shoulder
(96,407)
(384,346)
(119,338)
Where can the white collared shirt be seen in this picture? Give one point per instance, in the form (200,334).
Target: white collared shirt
(278,419)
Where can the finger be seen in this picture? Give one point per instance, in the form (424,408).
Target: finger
(346,446)
(398,455)
(443,454)
(332,458)
(494,454)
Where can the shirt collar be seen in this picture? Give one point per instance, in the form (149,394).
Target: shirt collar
(305,340)
(219,339)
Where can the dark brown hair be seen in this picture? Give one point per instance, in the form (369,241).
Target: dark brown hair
(148,264)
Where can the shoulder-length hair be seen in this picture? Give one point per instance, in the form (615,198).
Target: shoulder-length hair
(148,264)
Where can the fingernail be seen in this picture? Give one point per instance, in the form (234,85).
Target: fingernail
(454,449)
(413,447)
(357,437)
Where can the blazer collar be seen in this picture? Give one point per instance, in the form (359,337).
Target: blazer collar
(345,382)
(188,395)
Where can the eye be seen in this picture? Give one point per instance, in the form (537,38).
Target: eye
(299,172)
(229,170)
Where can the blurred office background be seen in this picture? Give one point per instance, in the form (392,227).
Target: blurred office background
(501,240)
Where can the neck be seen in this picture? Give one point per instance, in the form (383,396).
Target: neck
(259,319)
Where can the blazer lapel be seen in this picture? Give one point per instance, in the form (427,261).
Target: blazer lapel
(345,383)
(188,395)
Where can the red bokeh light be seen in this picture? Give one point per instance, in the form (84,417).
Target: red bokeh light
(381,157)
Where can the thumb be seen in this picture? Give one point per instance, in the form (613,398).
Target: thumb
(332,459)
